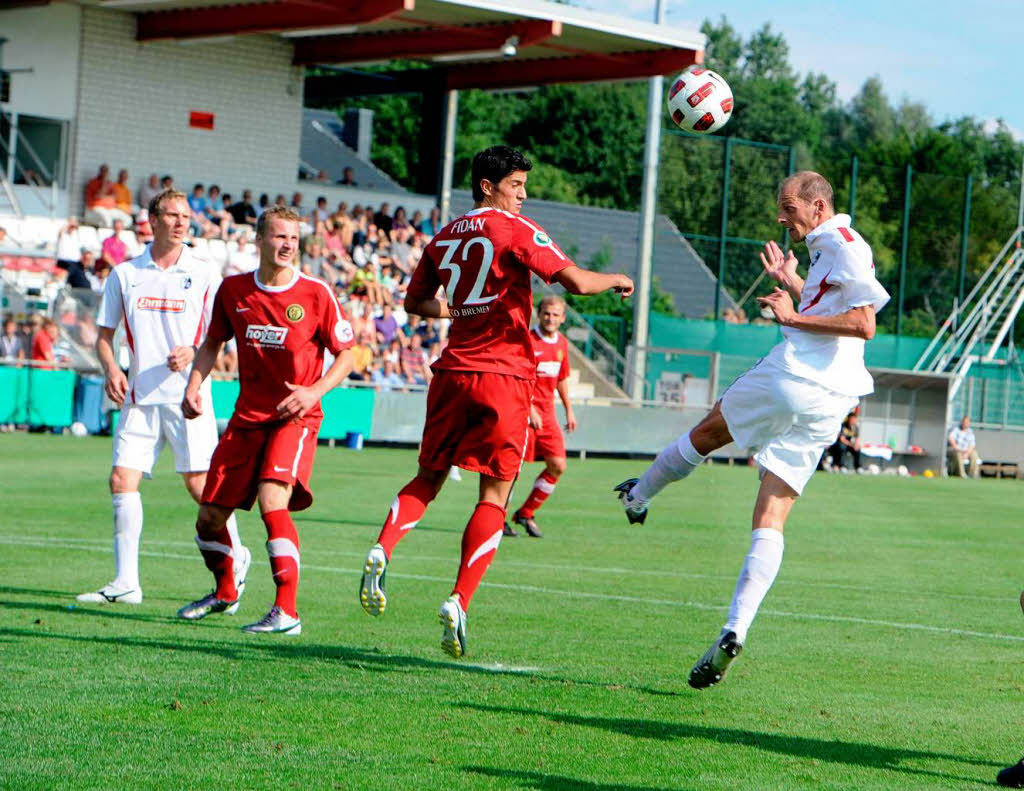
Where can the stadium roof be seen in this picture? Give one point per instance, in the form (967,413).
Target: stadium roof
(521,43)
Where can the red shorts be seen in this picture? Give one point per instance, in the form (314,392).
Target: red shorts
(548,443)
(276,452)
(476,421)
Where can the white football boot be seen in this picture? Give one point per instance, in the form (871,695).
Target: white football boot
(277,621)
(453,619)
(112,593)
(371,586)
(241,562)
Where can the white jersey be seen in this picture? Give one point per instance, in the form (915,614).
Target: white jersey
(841,278)
(161,309)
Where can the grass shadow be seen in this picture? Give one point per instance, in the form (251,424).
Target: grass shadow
(546,782)
(94,611)
(839,752)
(376,524)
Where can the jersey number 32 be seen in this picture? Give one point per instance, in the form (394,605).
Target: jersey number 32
(453,247)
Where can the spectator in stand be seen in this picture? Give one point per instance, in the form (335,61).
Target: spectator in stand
(348,178)
(296,206)
(387,377)
(428,332)
(215,212)
(113,250)
(166,183)
(417,220)
(100,205)
(243,212)
(241,258)
(400,221)
(69,246)
(363,354)
(199,224)
(322,177)
(962,450)
(848,441)
(387,327)
(95,273)
(264,204)
(149,190)
(280,200)
(414,362)
(434,354)
(431,225)
(333,241)
(383,220)
(321,212)
(360,225)
(42,344)
(12,347)
(123,193)
(312,261)
(143,228)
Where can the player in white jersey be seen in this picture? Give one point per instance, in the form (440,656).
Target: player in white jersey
(164,297)
(789,407)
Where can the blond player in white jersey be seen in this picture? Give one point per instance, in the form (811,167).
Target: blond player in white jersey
(789,407)
(164,297)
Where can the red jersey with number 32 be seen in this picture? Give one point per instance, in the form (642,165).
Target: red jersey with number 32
(484,260)
(551,356)
(282,332)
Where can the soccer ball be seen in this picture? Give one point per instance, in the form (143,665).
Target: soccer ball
(78,429)
(700,100)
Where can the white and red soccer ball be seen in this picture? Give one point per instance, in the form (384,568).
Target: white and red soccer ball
(699,100)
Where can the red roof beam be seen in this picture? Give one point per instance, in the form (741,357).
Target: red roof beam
(424,43)
(263,18)
(591,68)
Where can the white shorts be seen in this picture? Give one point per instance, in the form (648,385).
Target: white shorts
(787,421)
(142,431)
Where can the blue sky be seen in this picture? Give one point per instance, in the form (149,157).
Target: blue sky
(955,58)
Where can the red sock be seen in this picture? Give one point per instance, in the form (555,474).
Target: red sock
(542,489)
(283,549)
(479,544)
(406,512)
(215,547)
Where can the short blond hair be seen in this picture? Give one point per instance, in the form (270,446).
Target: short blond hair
(156,203)
(808,186)
(551,299)
(275,212)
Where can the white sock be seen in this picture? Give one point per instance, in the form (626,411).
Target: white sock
(673,464)
(232,526)
(756,577)
(127,530)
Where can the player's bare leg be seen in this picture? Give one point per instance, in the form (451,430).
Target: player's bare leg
(405,513)
(674,463)
(214,543)
(543,487)
(125,588)
(775,499)
(479,545)
(195,482)
(283,551)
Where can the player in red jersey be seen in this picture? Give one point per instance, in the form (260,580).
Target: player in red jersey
(478,404)
(283,321)
(546,443)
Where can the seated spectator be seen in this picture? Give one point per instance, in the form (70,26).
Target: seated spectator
(360,225)
(382,219)
(387,377)
(962,450)
(387,327)
(42,344)
(12,346)
(431,225)
(143,228)
(417,220)
(280,200)
(100,205)
(428,332)
(114,250)
(200,224)
(240,258)
(312,261)
(149,190)
(166,183)
(363,354)
(123,193)
(296,206)
(321,212)
(322,177)
(434,354)
(243,212)
(264,203)
(400,221)
(414,362)
(348,178)
(69,246)
(848,442)
(95,273)
(216,213)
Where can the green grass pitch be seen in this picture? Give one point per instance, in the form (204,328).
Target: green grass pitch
(888,654)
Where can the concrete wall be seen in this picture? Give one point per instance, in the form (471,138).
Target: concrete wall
(46,40)
(135,100)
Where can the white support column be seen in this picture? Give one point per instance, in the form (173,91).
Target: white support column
(451,113)
(648,205)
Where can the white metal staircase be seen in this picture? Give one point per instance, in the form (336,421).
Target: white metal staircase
(976,329)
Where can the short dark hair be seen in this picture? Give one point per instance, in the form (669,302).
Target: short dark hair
(494,164)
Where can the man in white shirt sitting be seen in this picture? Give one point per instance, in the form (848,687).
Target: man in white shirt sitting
(961,449)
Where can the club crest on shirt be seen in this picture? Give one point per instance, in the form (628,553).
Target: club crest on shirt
(186,282)
(559,355)
(294,312)
(541,239)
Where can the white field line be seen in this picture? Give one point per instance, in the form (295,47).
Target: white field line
(562,568)
(806,616)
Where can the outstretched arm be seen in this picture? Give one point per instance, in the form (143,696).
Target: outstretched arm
(583,281)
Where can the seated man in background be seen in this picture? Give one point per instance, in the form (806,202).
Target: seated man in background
(961,449)
(122,193)
(848,441)
(114,250)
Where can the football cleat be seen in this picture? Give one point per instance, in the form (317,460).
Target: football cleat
(508,531)
(1012,776)
(371,586)
(529,524)
(636,510)
(453,619)
(112,593)
(277,621)
(710,668)
(207,605)
(242,561)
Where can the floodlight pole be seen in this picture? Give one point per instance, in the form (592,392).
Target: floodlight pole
(648,204)
(451,114)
